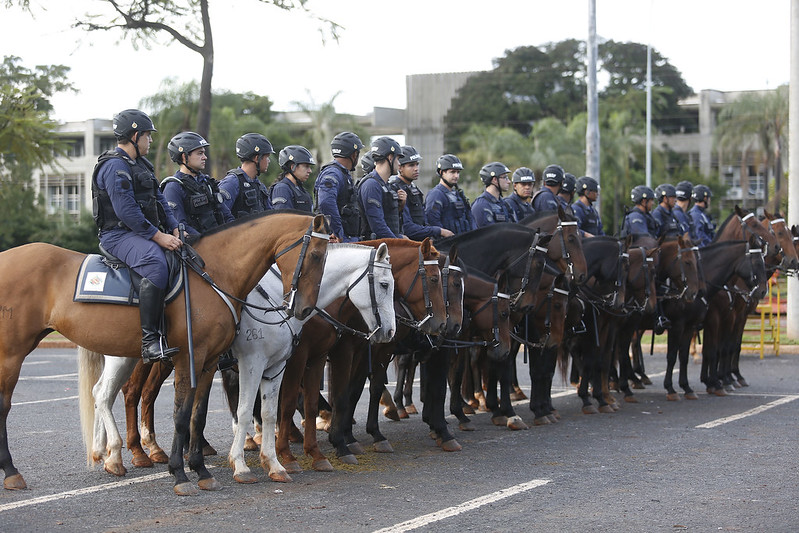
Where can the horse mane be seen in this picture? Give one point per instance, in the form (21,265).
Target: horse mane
(246,220)
(347,245)
(405,243)
(602,238)
(645,241)
(479,274)
(501,227)
(724,225)
(544,214)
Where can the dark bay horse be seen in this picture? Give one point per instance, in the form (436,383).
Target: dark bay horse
(37,282)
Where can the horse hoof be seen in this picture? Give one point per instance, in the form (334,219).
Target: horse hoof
(516,423)
(391,413)
(541,421)
(468,409)
(606,409)
(645,380)
(402,413)
(720,392)
(729,388)
(691,396)
(142,461)
(348,459)
(673,397)
(615,406)
(209,484)
(590,410)
(208,450)
(466,426)
(186,489)
(499,420)
(293,467)
(451,446)
(159,457)
(432,435)
(555,413)
(552,418)
(322,424)
(356,448)
(15,482)
(711,390)
(280,477)
(638,385)
(517,397)
(322,465)
(245,478)
(631,399)
(743,382)
(249,445)
(383,446)
(411,409)
(115,469)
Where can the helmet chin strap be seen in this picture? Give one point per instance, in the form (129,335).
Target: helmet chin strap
(136,143)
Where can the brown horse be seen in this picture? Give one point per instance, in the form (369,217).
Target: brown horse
(37,282)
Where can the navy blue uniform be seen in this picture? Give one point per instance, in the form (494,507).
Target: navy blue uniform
(243,195)
(335,198)
(567,208)
(683,221)
(128,200)
(545,200)
(286,195)
(487,210)
(518,208)
(667,224)
(639,223)
(449,208)
(414,221)
(195,202)
(588,219)
(380,207)
(704,228)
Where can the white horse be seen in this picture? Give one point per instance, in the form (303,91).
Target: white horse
(361,273)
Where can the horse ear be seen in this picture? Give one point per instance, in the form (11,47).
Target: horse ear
(453,254)
(768,215)
(681,241)
(628,241)
(661,239)
(794,230)
(545,239)
(739,212)
(382,253)
(319,223)
(561,213)
(426,246)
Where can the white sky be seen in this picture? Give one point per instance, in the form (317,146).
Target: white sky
(717,44)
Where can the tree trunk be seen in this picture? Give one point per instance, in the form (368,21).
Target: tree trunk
(204,109)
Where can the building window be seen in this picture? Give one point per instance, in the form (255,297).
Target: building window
(75,148)
(107,143)
(62,193)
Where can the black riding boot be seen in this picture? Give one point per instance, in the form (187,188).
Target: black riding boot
(151,311)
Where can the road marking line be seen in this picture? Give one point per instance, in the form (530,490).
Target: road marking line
(756,410)
(46,401)
(428,519)
(55,376)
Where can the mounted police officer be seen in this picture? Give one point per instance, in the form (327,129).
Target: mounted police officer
(334,191)
(566,194)
(380,204)
(288,192)
(488,208)
(518,203)
(545,199)
(446,205)
(414,224)
(639,220)
(588,219)
(664,212)
(704,227)
(243,192)
(129,209)
(683,192)
(193,196)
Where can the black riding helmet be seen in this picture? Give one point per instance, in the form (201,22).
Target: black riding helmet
(382,147)
(250,145)
(447,162)
(344,144)
(367,163)
(569,184)
(666,190)
(409,155)
(184,143)
(493,170)
(294,154)
(641,193)
(131,121)
(701,192)
(684,189)
(523,175)
(586,184)
(553,175)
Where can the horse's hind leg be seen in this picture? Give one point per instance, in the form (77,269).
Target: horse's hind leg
(13,479)
(198,418)
(116,372)
(270,393)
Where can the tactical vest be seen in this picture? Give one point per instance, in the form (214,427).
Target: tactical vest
(590,218)
(300,199)
(518,208)
(252,196)
(391,214)
(415,200)
(457,216)
(668,223)
(144,185)
(347,204)
(499,211)
(201,203)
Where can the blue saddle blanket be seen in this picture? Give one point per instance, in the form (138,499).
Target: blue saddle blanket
(101,282)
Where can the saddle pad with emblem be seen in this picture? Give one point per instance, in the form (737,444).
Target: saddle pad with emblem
(99,282)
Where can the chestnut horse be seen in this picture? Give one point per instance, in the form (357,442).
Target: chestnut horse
(37,282)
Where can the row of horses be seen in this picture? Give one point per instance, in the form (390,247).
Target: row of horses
(460,308)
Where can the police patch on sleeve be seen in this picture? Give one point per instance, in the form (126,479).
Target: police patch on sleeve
(279,200)
(225,193)
(173,205)
(374,201)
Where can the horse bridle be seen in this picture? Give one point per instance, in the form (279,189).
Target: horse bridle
(564,252)
(547,317)
(607,302)
(669,294)
(529,255)
(494,303)
(645,263)
(445,270)
(421,273)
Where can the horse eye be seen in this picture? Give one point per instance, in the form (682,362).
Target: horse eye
(384,284)
(434,279)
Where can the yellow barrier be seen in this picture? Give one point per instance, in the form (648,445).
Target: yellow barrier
(768,313)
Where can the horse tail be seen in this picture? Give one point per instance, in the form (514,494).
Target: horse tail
(90,366)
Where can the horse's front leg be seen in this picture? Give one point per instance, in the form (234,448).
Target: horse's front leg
(181,415)
(197,428)
(116,372)
(376,387)
(507,371)
(149,393)
(248,380)
(270,394)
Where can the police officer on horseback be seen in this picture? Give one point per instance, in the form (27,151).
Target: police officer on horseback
(380,204)
(414,224)
(663,213)
(488,208)
(518,203)
(446,205)
(243,192)
(288,192)
(566,194)
(588,219)
(334,191)
(704,227)
(545,199)
(130,211)
(683,192)
(193,196)
(638,220)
